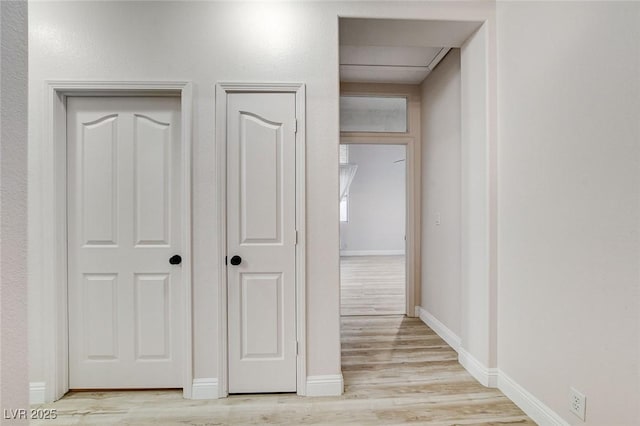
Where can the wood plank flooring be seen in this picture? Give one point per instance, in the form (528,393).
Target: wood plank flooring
(396,371)
(372,285)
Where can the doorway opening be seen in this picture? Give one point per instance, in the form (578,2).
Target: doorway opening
(388,58)
(373,229)
(58,260)
(380,220)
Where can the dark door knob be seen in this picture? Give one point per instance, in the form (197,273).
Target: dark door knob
(236,260)
(176,259)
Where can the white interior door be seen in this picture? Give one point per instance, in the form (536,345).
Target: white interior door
(124,225)
(261,232)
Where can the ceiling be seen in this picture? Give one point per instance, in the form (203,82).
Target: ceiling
(388,64)
(394,50)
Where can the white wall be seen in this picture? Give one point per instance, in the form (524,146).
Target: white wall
(441,173)
(569,204)
(13,209)
(568,168)
(377,201)
(207,42)
(478,211)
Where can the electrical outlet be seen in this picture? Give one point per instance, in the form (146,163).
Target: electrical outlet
(438,221)
(577,403)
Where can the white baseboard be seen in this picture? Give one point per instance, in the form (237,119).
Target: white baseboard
(532,406)
(37,392)
(330,385)
(441,330)
(493,377)
(371,252)
(486,376)
(204,389)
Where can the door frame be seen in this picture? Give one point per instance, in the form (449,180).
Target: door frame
(52,189)
(413,187)
(412,209)
(223,89)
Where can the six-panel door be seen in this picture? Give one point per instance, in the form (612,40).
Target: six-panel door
(261,230)
(124,187)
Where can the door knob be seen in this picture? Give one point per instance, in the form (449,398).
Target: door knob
(236,260)
(176,259)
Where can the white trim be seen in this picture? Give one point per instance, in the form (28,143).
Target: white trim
(222,90)
(221,190)
(532,406)
(486,376)
(205,389)
(372,252)
(301,238)
(244,87)
(51,186)
(329,385)
(493,377)
(441,330)
(186,105)
(120,88)
(37,391)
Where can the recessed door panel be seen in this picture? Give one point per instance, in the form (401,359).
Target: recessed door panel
(124,223)
(260,176)
(152,180)
(100,316)
(261,230)
(152,316)
(98,162)
(261,316)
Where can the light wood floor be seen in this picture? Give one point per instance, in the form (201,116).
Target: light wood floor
(372,285)
(396,371)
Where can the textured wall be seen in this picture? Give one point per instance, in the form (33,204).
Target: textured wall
(13,207)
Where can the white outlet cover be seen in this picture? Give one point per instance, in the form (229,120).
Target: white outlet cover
(577,403)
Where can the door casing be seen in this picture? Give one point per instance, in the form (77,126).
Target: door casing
(54,238)
(222,91)
(412,209)
(411,139)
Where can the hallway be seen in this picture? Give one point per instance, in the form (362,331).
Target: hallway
(410,375)
(396,371)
